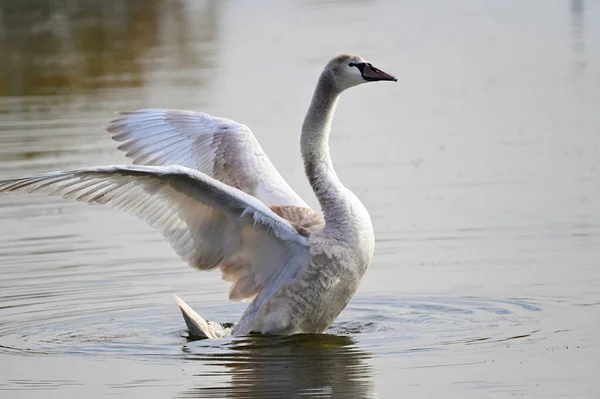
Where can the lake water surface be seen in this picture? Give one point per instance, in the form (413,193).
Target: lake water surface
(480,168)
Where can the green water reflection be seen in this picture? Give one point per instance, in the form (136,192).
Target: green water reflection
(63,47)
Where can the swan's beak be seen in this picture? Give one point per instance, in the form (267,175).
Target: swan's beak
(373,74)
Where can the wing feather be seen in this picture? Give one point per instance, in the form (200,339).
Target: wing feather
(218,147)
(206,222)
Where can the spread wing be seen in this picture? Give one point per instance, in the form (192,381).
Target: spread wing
(220,148)
(208,223)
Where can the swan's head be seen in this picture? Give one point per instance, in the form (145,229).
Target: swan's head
(349,70)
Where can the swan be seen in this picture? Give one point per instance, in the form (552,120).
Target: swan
(206,184)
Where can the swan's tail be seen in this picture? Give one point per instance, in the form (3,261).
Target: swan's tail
(197,326)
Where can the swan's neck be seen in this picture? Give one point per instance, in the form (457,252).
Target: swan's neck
(315,152)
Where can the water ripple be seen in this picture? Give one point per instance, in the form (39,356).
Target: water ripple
(129,328)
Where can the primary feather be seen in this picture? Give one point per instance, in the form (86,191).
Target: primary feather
(219,147)
(208,223)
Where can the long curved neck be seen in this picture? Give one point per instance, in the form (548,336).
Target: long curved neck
(315,151)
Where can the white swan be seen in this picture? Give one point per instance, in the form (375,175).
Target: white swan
(209,188)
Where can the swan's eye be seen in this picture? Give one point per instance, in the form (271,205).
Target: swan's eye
(359,65)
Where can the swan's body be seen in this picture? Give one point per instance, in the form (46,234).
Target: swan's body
(215,196)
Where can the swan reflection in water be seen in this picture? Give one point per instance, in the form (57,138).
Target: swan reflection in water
(305,365)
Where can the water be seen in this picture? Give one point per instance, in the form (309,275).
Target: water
(479,167)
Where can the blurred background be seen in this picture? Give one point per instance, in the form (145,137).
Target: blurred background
(480,169)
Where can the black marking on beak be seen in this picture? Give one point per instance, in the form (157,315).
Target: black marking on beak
(372,74)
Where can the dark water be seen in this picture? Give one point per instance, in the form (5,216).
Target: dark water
(480,168)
